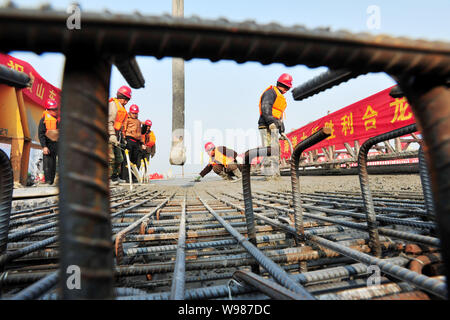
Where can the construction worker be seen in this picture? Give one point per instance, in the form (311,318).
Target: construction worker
(148,141)
(222,161)
(117,115)
(48,133)
(272,105)
(133,136)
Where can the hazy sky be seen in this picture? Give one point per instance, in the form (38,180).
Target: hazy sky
(222,97)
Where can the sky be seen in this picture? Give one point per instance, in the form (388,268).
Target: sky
(221,98)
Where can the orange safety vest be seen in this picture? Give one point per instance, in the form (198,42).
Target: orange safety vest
(220,158)
(121,116)
(49,121)
(278,106)
(149,139)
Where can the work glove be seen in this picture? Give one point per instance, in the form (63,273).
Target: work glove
(113,140)
(273,126)
(280,126)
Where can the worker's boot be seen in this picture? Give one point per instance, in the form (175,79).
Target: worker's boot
(224,175)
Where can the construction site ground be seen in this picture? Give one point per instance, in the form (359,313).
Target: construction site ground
(384,183)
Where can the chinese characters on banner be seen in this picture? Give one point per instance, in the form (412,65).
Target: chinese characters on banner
(374,115)
(40,89)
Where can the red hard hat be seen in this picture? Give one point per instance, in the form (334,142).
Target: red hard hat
(50,104)
(285,79)
(134,109)
(148,122)
(124,90)
(209,146)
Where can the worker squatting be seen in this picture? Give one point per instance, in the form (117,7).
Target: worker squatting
(126,132)
(272,104)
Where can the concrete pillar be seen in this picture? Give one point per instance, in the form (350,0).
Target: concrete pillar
(177,152)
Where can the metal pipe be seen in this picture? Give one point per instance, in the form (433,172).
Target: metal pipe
(84,224)
(364,181)
(274,270)
(178,282)
(315,138)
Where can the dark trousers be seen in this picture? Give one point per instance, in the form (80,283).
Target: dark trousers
(143,155)
(134,150)
(225,172)
(49,161)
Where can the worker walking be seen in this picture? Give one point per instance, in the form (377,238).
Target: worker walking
(117,115)
(133,136)
(272,105)
(222,161)
(148,141)
(48,132)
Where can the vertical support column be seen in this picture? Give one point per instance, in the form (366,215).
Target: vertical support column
(16,157)
(430,101)
(25,157)
(177,152)
(84,219)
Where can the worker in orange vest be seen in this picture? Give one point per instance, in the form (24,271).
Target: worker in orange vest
(117,115)
(272,105)
(148,141)
(48,133)
(222,161)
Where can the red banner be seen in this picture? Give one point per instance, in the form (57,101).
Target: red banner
(40,90)
(374,115)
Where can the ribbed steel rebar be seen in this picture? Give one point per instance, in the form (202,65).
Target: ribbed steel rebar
(270,288)
(435,287)
(189,38)
(430,101)
(6,191)
(315,138)
(389,232)
(37,289)
(4,259)
(426,185)
(122,211)
(322,82)
(275,271)
(85,226)
(396,221)
(178,282)
(246,186)
(364,181)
